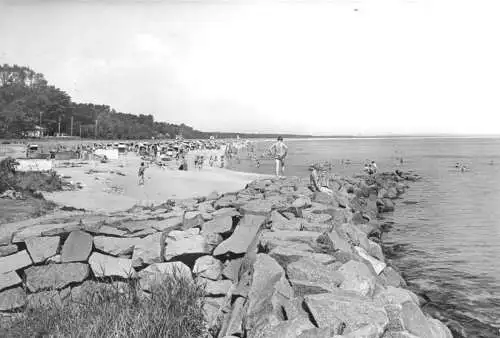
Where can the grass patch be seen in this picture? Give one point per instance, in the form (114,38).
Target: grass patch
(174,308)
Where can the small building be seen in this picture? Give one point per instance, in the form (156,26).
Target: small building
(37,131)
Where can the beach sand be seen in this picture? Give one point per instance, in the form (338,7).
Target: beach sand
(104,190)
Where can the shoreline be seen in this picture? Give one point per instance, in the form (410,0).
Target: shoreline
(317,255)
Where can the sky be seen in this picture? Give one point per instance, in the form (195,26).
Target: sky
(338,67)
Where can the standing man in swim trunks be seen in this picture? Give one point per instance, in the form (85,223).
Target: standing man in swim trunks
(279,150)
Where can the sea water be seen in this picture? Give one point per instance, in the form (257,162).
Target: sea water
(445,233)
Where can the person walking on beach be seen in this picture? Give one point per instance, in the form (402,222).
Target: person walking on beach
(279,150)
(142,171)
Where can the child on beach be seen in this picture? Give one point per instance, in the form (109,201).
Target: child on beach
(142,171)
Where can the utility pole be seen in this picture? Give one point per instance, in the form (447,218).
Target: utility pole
(59,125)
(41,128)
(71,125)
(95,133)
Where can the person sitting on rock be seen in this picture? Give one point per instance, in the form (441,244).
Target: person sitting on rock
(314,180)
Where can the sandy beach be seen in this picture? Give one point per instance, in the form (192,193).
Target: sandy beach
(113,186)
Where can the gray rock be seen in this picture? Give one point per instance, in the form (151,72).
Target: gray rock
(306,237)
(290,328)
(41,248)
(302,202)
(392,295)
(46,229)
(316,275)
(293,225)
(192,219)
(215,288)
(231,212)
(208,267)
(8,279)
(268,291)
(226,201)
(189,242)
(6,250)
(377,265)
(257,207)
(104,265)
(221,225)
(334,242)
(107,230)
(235,323)
(169,224)
(414,320)
(285,255)
(213,240)
(77,247)
(55,276)
(317,227)
(324,198)
(358,278)
(115,246)
(147,250)
(355,311)
(231,268)
(14,262)
(155,272)
(242,236)
(438,329)
(334,330)
(11,299)
(316,218)
(391,277)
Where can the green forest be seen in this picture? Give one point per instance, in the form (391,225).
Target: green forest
(28,101)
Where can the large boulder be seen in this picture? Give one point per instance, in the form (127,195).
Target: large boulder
(354,310)
(185,243)
(41,248)
(8,279)
(358,278)
(218,288)
(104,266)
(208,267)
(156,271)
(333,242)
(231,269)
(147,250)
(308,276)
(55,276)
(231,212)
(242,236)
(257,207)
(268,291)
(115,246)
(192,219)
(414,320)
(77,247)
(11,299)
(169,224)
(14,262)
(285,255)
(377,265)
(9,249)
(37,230)
(220,225)
(305,237)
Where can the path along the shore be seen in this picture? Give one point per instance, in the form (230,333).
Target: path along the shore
(277,259)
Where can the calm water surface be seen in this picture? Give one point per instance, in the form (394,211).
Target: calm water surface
(445,236)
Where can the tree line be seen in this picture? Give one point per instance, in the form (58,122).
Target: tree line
(27,100)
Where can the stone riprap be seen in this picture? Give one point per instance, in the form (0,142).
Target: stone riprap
(276,259)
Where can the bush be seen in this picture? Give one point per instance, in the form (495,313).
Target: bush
(26,181)
(173,309)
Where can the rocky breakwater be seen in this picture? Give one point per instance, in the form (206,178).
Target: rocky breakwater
(276,259)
